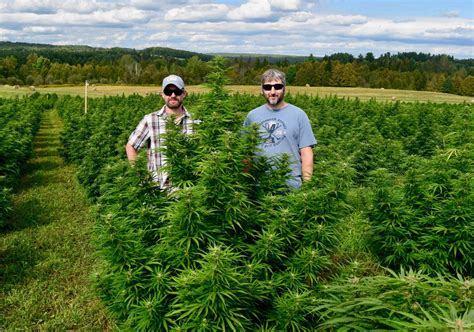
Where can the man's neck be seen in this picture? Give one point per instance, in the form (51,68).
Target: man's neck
(174,111)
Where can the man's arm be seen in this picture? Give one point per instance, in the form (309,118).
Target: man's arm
(306,163)
(137,139)
(132,153)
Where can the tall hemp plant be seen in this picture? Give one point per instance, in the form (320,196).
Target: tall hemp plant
(224,251)
(425,221)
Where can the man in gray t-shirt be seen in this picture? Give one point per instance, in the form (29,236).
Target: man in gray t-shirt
(284,128)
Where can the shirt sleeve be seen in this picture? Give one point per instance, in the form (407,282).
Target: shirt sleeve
(140,135)
(306,132)
(247,121)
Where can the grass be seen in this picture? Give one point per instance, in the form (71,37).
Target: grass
(361,93)
(46,255)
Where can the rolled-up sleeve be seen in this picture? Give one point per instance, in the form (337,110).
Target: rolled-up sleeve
(139,136)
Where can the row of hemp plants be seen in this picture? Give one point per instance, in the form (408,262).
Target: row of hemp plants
(414,163)
(160,251)
(19,119)
(425,219)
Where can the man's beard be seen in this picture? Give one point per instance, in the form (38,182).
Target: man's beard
(173,103)
(275,100)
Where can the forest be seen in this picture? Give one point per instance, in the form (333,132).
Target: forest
(37,64)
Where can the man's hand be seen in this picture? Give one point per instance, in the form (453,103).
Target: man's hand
(247,165)
(132,153)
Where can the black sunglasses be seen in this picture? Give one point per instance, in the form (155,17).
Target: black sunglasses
(169,92)
(268,87)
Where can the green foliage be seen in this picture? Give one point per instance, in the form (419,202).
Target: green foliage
(19,120)
(23,63)
(405,301)
(46,252)
(213,239)
(219,295)
(105,129)
(426,221)
(5,202)
(229,248)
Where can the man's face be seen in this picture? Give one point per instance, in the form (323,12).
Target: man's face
(273,91)
(173,96)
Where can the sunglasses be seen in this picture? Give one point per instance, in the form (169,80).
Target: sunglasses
(268,87)
(169,92)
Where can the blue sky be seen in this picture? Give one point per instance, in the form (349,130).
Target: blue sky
(403,8)
(292,27)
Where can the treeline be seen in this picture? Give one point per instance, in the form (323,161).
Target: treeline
(31,64)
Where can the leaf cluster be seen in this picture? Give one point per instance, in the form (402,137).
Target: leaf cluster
(426,220)
(407,300)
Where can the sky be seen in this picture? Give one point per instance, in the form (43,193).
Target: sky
(283,27)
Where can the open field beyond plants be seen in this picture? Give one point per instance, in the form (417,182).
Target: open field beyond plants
(361,93)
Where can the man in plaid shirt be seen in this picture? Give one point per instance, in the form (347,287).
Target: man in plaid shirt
(151,128)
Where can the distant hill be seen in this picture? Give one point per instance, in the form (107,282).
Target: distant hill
(80,54)
(271,58)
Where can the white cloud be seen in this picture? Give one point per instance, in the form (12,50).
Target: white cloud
(159,36)
(36,29)
(453,13)
(147,4)
(285,4)
(451,32)
(254,9)
(32,6)
(6,34)
(343,20)
(253,26)
(83,6)
(299,17)
(120,17)
(54,6)
(208,38)
(158,5)
(124,14)
(198,13)
(421,30)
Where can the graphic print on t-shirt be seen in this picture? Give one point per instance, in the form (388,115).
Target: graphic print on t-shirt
(275,132)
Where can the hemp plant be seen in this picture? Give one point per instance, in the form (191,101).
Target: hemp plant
(225,249)
(424,220)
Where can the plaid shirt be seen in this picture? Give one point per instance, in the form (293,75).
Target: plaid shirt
(149,132)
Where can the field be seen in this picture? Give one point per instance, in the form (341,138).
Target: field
(379,239)
(361,93)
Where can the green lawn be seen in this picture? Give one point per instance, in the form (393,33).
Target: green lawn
(47,259)
(361,93)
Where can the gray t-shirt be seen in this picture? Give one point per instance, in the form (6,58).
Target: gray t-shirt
(286,130)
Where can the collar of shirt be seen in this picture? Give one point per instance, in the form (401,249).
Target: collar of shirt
(162,113)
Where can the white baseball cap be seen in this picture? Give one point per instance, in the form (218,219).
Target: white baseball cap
(175,80)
